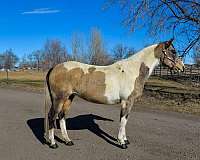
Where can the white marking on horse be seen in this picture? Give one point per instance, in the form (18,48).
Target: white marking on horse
(122,132)
(64,130)
(51,136)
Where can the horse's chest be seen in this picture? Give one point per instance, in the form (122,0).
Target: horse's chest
(139,84)
(126,88)
(112,90)
(118,88)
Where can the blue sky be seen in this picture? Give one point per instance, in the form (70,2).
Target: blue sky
(25,25)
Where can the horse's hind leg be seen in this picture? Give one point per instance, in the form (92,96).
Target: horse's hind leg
(51,118)
(61,116)
(54,110)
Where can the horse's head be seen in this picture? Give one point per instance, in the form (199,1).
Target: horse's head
(168,56)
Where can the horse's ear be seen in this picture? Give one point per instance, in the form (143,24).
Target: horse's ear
(168,43)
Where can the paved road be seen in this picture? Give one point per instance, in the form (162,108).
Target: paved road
(153,135)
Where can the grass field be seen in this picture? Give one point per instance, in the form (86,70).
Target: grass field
(160,93)
(23,75)
(23,78)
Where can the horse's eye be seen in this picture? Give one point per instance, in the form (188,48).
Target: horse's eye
(174,52)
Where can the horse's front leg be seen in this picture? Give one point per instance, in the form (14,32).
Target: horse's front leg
(125,110)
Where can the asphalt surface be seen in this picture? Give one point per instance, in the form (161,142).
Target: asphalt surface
(93,128)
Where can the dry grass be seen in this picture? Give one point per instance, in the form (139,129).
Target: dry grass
(23,75)
(191,106)
(31,80)
(156,83)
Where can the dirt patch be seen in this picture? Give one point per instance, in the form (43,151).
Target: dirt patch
(152,100)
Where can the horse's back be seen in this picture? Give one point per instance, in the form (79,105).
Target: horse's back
(85,67)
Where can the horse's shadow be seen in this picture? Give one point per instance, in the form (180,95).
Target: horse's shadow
(80,122)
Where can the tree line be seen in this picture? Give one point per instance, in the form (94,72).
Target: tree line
(178,18)
(54,52)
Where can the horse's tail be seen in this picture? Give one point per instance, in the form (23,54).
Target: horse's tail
(47,103)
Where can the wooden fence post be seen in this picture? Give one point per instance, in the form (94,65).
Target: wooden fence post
(160,70)
(190,74)
(7,76)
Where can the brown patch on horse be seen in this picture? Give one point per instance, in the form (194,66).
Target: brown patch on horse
(158,50)
(59,82)
(65,106)
(90,86)
(91,69)
(139,84)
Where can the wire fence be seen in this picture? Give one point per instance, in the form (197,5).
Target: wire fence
(190,75)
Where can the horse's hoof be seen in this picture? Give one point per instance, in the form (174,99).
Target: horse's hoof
(69,143)
(53,146)
(126,142)
(47,142)
(124,146)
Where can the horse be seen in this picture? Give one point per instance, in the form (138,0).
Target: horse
(119,83)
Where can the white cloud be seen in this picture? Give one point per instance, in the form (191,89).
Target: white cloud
(42,11)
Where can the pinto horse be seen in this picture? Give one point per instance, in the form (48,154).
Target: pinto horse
(121,82)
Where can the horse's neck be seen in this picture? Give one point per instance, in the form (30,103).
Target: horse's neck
(147,56)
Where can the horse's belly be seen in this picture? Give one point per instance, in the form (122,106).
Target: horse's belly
(97,93)
(100,100)
(112,94)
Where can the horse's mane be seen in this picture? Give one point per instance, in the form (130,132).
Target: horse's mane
(141,53)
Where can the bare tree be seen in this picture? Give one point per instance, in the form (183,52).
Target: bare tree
(120,52)
(78,50)
(197,54)
(181,18)
(9,60)
(97,51)
(38,56)
(131,51)
(30,60)
(24,62)
(1,61)
(54,52)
